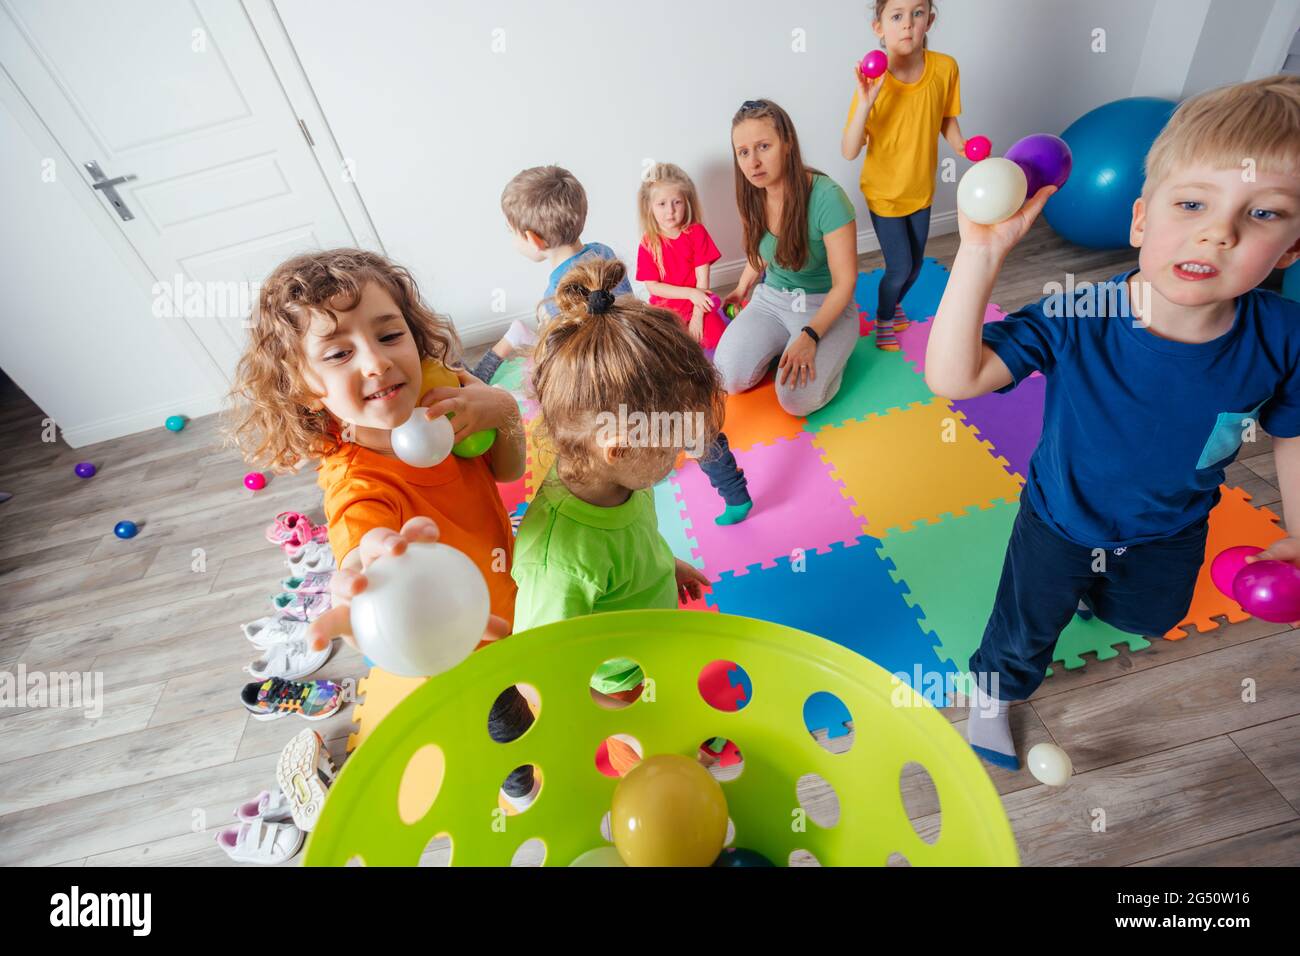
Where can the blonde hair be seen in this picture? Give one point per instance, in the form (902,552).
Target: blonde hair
(269,419)
(546,200)
(880,9)
(1259,121)
(664,174)
(630,355)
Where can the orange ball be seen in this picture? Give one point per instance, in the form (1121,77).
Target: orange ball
(669,811)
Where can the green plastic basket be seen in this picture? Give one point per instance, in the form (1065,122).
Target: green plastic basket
(361,821)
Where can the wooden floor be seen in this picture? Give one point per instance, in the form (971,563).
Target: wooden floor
(1180,769)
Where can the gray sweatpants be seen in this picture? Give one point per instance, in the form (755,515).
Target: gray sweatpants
(761,332)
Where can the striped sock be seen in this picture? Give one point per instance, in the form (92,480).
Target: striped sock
(901,322)
(886,340)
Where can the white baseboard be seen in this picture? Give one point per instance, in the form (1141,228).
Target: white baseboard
(488,330)
(104,429)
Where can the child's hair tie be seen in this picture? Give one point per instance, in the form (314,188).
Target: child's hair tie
(599,301)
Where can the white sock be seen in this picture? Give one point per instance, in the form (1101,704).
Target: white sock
(520,336)
(989,728)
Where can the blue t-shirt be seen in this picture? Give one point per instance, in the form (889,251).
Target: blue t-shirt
(592,250)
(1137,429)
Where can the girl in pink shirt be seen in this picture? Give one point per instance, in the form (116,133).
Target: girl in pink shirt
(676,251)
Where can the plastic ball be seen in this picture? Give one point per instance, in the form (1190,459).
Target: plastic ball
(422,611)
(1049,764)
(1226,564)
(433,374)
(992,191)
(255,481)
(175,423)
(731,310)
(601,856)
(1045,159)
(85,469)
(423,442)
(874,64)
(1269,590)
(668,811)
(977,148)
(735,856)
(474,445)
(125,529)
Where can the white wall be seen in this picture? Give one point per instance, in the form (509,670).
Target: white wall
(436,122)
(77,331)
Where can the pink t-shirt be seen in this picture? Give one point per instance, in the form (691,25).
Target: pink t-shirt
(694,247)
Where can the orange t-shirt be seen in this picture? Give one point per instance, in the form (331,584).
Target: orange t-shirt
(364,490)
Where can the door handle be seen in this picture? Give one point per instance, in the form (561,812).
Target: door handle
(109,188)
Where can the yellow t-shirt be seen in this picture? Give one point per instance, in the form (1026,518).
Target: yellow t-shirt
(903,137)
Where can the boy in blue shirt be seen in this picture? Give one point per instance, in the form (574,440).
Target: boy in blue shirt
(1154,379)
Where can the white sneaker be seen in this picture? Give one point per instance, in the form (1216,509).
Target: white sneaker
(261,842)
(274,629)
(312,556)
(270,805)
(304,772)
(291,659)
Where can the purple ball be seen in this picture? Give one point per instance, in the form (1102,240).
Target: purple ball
(85,470)
(1269,590)
(1045,158)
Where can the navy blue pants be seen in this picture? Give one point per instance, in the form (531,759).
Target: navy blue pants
(902,241)
(726,477)
(1143,589)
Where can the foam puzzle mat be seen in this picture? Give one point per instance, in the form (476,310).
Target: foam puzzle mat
(880,521)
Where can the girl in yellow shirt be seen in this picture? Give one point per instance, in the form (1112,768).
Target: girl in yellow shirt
(898,117)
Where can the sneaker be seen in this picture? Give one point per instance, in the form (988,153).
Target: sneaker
(291,530)
(274,629)
(520,336)
(275,697)
(290,660)
(302,605)
(312,556)
(311,582)
(261,842)
(305,772)
(271,806)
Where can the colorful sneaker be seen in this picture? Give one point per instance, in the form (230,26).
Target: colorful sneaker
(273,807)
(311,582)
(291,660)
(291,530)
(274,629)
(886,340)
(901,322)
(304,772)
(312,556)
(302,605)
(261,842)
(276,697)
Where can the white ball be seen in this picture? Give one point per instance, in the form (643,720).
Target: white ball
(422,442)
(992,191)
(422,612)
(1050,764)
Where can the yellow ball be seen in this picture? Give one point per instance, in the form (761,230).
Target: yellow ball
(434,374)
(669,811)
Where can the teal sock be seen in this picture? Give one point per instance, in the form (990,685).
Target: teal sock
(734,514)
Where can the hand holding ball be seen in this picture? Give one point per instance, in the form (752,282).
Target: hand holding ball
(991,191)
(874,64)
(423,442)
(422,611)
(1269,590)
(436,375)
(1045,159)
(977,148)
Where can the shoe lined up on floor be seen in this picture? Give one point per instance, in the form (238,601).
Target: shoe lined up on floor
(291,660)
(292,530)
(305,772)
(277,697)
(311,557)
(261,841)
(302,605)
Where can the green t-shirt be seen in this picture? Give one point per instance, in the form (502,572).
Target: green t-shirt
(829,207)
(574,558)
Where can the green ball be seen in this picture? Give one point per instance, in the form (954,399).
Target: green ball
(475,445)
(731,310)
(175,423)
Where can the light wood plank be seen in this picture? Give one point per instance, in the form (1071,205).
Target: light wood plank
(1275,749)
(1273,846)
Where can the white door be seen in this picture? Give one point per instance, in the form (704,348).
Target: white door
(181,97)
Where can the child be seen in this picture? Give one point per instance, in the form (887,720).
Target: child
(673,260)
(589,542)
(333,364)
(897,116)
(546,209)
(676,251)
(1148,397)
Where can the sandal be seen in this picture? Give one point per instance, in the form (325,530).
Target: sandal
(261,842)
(304,772)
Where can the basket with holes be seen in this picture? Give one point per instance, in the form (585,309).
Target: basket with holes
(431,775)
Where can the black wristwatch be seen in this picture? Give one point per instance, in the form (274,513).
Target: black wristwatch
(817,339)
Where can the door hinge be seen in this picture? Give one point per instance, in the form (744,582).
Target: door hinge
(306,133)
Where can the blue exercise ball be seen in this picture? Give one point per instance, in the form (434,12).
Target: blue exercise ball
(1291,282)
(1095,206)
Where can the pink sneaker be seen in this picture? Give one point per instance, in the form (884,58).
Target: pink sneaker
(292,530)
(302,605)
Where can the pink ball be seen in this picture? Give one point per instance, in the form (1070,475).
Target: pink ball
(977,148)
(1226,564)
(1270,590)
(874,64)
(255,481)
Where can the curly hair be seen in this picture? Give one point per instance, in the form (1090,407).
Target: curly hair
(269,418)
(632,355)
